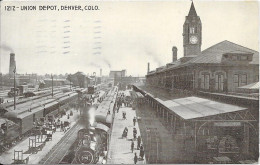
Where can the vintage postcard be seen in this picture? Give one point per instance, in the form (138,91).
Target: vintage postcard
(129,82)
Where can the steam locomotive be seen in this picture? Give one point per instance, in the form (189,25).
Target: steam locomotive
(90,146)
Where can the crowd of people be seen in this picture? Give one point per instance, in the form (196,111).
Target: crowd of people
(136,141)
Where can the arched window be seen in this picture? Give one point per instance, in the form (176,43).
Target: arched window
(239,80)
(192,30)
(204,81)
(219,82)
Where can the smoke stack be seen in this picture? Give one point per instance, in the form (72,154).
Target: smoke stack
(174,53)
(100,72)
(148,67)
(12,64)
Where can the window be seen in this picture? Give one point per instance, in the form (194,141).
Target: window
(243,58)
(192,30)
(235,80)
(219,82)
(234,57)
(243,80)
(205,81)
(239,80)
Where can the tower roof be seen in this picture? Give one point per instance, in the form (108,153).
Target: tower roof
(192,11)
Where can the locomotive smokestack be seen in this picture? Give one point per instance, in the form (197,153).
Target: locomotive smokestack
(148,67)
(12,64)
(174,53)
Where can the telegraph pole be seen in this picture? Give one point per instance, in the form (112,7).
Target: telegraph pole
(14,89)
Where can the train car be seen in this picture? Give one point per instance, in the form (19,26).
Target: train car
(19,91)
(27,113)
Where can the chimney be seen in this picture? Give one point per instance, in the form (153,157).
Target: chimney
(174,53)
(12,64)
(100,72)
(148,67)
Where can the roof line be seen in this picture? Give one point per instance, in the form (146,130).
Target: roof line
(229,42)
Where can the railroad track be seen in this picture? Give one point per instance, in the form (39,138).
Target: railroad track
(58,152)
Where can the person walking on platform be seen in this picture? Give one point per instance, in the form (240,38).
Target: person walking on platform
(138,142)
(142,152)
(132,146)
(124,115)
(135,158)
(61,126)
(134,133)
(134,120)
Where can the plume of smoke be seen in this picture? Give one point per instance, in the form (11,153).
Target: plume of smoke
(94,65)
(107,62)
(6,48)
(154,57)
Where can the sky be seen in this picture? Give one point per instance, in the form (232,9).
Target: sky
(120,35)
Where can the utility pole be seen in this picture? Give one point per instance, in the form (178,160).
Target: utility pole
(14,89)
(51,85)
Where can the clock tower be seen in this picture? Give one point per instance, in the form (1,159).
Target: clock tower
(192,33)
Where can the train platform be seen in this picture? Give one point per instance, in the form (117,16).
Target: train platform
(120,148)
(7,156)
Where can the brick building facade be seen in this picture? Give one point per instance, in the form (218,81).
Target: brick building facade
(222,67)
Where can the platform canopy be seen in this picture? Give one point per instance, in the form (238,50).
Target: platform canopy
(254,87)
(195,107)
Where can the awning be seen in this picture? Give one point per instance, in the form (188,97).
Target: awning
(139,95)
(195,107)
(254,85)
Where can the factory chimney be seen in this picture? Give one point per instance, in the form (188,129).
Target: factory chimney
(148,67)
(100,72)
(12,64)
(174,53)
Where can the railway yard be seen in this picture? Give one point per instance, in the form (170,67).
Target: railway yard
(45,127)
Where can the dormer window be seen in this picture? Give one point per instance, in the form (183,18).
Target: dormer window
(238,56)
(234,57)
(243,58)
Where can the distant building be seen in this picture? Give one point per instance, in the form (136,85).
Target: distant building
(123,82)
(114,74)
(81,80)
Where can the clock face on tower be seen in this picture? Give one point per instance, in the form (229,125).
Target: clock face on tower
(193,39)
